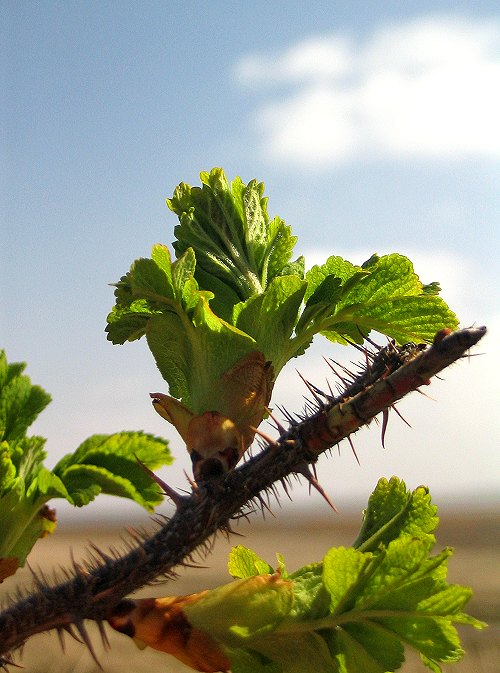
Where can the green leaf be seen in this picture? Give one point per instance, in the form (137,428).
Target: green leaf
(383,600)
(238,249)
(345,302)
(450,601)
(295,268)
(393,511)
(391,300)
(193,358)
(365,647)
(22,524)
(345,573)
(211,222)
(104,463)
(128,324)
(20,401)
(311,599)
(25,487)
(432,288)
(404,577)
(270,317)
(279,248)
(108,464)
(170,347)
(244,562)
(407,596)
(304,653)
(248,661)
(191,345)
(436,638)
(234,291)
(241,612)
(354,611)
(404,319)
(319,279)
(147,289)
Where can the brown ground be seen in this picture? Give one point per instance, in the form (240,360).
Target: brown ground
(476,563)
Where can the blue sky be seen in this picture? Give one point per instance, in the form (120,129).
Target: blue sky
(375,128)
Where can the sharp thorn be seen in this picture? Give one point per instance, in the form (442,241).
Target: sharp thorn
(80,627)
(102,555)
(330,362)
(104,635)
(310,388)
(192,483)
(353,449)
(433,399)
(264,506)
(280,428)
(305,472)
(77,567)
(344,369)
(69,629)
(332,395)
(322,393)
(285,488)
(36,578)
(385,420)
(196,566)
(400,415)
(60,636)
(289,417)
(370,341)
(4,662)
(231,531)
(355,345)
(265,437)
(167,490)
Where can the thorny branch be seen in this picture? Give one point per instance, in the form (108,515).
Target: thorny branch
(92,589)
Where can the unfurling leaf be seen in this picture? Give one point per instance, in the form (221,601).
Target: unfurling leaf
(232,310)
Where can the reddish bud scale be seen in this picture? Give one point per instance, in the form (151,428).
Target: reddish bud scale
(161,623)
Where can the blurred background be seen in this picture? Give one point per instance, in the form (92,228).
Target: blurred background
(374,126)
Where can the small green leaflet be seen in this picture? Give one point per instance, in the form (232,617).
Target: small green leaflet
(348,302)
(354,611)
(108,464)
(102,464)
(244,563)
(25,486)
(393,510)
(20,402)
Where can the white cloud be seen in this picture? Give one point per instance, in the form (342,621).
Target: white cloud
(427,88)
(312,58)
